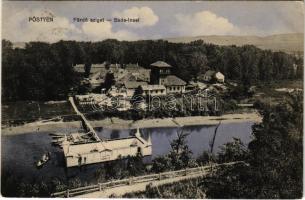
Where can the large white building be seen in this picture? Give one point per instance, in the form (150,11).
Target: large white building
(154,90)
(78,154)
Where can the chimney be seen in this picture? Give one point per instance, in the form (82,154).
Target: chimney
(65,145)
(138,134)
(149,139)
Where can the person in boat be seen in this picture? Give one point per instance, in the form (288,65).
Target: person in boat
(44,157)
(43,160)
(39,163)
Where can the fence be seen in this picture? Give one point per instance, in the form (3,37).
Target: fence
(139,179)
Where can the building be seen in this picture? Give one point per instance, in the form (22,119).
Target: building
(98,72)
(220,77)
(211,75)
(122,73)
(126,89)
(139,72)
(161,75)
(173,84)
(84,153)
(115,91)
(95,68)
(198,85)
(154,90)
(159,71)
(96,80)
(131,87)
(195,86)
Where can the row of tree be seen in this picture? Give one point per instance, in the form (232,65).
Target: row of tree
(43,71)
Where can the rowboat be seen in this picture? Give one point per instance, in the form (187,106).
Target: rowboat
(44,159)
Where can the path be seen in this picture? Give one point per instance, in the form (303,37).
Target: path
(139,183)
(120,191)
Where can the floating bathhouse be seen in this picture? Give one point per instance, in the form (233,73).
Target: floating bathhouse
(88,148)
(103,151)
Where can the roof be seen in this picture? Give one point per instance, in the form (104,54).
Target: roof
(198,84)
(118,144)
(137,75)
(134,84)
(153,87)
(210,73)
(173,80)
(126,77)
(160,64)
(219,73)
(94,67)
(131,66)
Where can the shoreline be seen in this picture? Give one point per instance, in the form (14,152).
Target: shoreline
(116,123)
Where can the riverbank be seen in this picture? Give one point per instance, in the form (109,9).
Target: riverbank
(116,123)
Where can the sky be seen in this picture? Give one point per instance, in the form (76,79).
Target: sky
(157,19)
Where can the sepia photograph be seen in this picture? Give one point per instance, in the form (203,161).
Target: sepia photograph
(152,99)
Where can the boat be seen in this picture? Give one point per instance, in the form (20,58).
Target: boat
(56,134)
(44,159)
(58,140)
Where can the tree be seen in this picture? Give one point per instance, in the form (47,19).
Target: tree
(87,68)
(109,81)
(233,65)
(115,169)
(205,158)
(135,165)
(161,164)
(273,165)
(137,98)
(198,64)
(266,67)
(277,150)
(180,154)
(43,71)
(233,151)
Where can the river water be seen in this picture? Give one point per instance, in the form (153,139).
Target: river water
(20,152)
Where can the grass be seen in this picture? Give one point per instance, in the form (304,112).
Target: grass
(31,111)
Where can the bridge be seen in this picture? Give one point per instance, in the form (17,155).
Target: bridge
(85,122)
(139,183)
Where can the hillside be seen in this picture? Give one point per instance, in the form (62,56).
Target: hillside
(290,43)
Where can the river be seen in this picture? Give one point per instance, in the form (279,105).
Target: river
(20,152)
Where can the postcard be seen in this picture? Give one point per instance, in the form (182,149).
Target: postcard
(152,99)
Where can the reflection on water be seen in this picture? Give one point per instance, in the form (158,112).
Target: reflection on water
(20,152)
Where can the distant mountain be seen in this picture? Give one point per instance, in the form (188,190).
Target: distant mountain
(19,45)
(290,43)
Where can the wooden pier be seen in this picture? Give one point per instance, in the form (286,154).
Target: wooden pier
(87,126)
